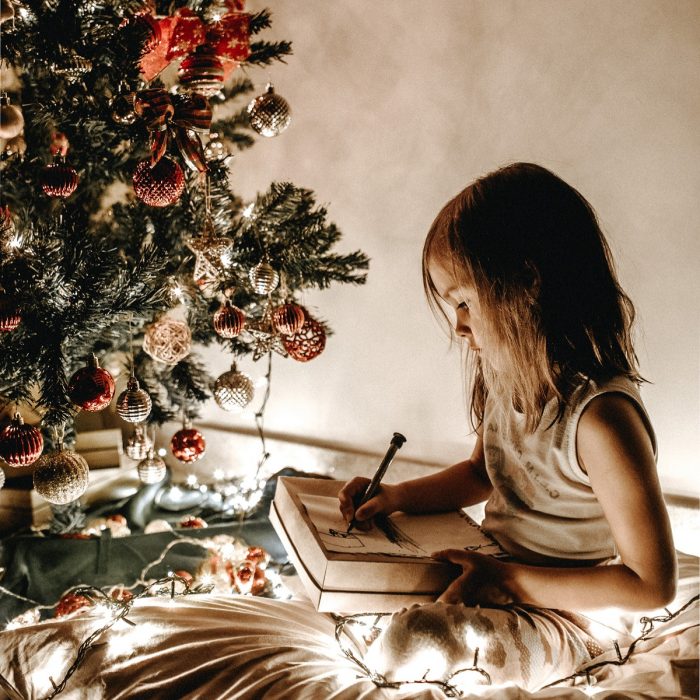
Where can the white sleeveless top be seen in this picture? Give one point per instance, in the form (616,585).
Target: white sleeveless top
(542,506)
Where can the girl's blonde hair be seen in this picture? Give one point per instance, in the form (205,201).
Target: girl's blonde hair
(532,247)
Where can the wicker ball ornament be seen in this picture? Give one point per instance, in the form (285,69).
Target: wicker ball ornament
(269,114)
(133,404)
(91,388)
(264,277)
(288,318)
(61,477)
(59,180)
(233,390)
(152,469)
(20,444)
(138,444)
(307,343)
(11,119)
(188,445)
(10,315)
(201,72)
(229,320)
(159,185)
(168,341)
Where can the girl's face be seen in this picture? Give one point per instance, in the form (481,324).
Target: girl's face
(463,300)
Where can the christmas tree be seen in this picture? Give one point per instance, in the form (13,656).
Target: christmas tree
(121,239)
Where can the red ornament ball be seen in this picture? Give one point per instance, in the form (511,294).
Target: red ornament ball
(158,185)
(192,521)
(20,444)
(229,320)
(59,180)
(10,316)
(91,387)
(188,445)
(71,603)
(288,318)
(308,342)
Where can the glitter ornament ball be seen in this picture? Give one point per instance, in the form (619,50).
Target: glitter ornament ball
(188,445)
(133,404)
(11,118)
(215,149)
(91,388)
(202,72)
(167,341)
(229,320)
(61,477)
(288,318)
(20,444)
(306,343)
(233,390)
(59,180)
(160,185)
(152,469)
(122,109)
(10,316)
(138,444)
(269,114)
(264,277)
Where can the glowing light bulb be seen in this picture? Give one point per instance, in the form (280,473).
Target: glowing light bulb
(191,480)
(162,451)
(218,474)
(248,211)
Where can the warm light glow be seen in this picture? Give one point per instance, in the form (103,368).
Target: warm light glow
(16,242)
(191,480)
(177,292)
(248,211)
(430,663)
(54,667)
(162,452)
(218,474)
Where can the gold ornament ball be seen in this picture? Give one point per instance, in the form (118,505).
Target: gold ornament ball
(133,404)
(264,278)
(168,341)
(61,477)
(269,114)
(152,469)
(233,389)
(11,119)
(138,444)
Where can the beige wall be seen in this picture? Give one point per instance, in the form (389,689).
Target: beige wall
(397,104)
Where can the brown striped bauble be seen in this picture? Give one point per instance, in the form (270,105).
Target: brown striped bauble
(288,318)
(20,444)
(229,320)
(59,180)
(264,277)
(133,404)
(158,185)
(61,477)
(152,469)
(202,72)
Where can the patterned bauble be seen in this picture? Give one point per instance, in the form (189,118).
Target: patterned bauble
(152,469)
(10,315)
(91,388)
(229,320)
(133,404)
(138,444)
(20,444)
(188,445)
(159,185)
(233,390)
(72,65)
(59,180)
(11,118)
(288,318)
(306,343)
(269,114)
(264,277)
(215,148)
(167,341)
(61,477)
(202,72)
(122,108)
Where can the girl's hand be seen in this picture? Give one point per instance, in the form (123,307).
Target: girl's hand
(386,501)
(482,581)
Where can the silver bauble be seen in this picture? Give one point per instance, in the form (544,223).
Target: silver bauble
(133,404)
(152,469)
(264,277)
(233,389)
(61,477)
(270,113)
(138,444)
(215,149)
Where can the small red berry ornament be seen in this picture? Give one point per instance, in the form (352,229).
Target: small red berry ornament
(59,179)
(10,316)
(229,320)
(91,388)
(159,185)
(188,445)
(71,603)
(308,342)
(288,318)
(20,444)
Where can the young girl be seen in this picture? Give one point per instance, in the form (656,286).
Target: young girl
(565,452)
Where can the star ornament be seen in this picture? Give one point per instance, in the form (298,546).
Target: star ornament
(265,338)
(210,255)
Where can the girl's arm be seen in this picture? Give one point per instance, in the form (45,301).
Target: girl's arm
(460,485)
(615,450)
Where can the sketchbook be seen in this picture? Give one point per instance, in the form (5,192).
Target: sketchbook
(380,570)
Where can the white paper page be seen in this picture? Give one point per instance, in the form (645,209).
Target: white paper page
(405,535)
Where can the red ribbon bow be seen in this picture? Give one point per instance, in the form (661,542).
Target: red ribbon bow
(186,116)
